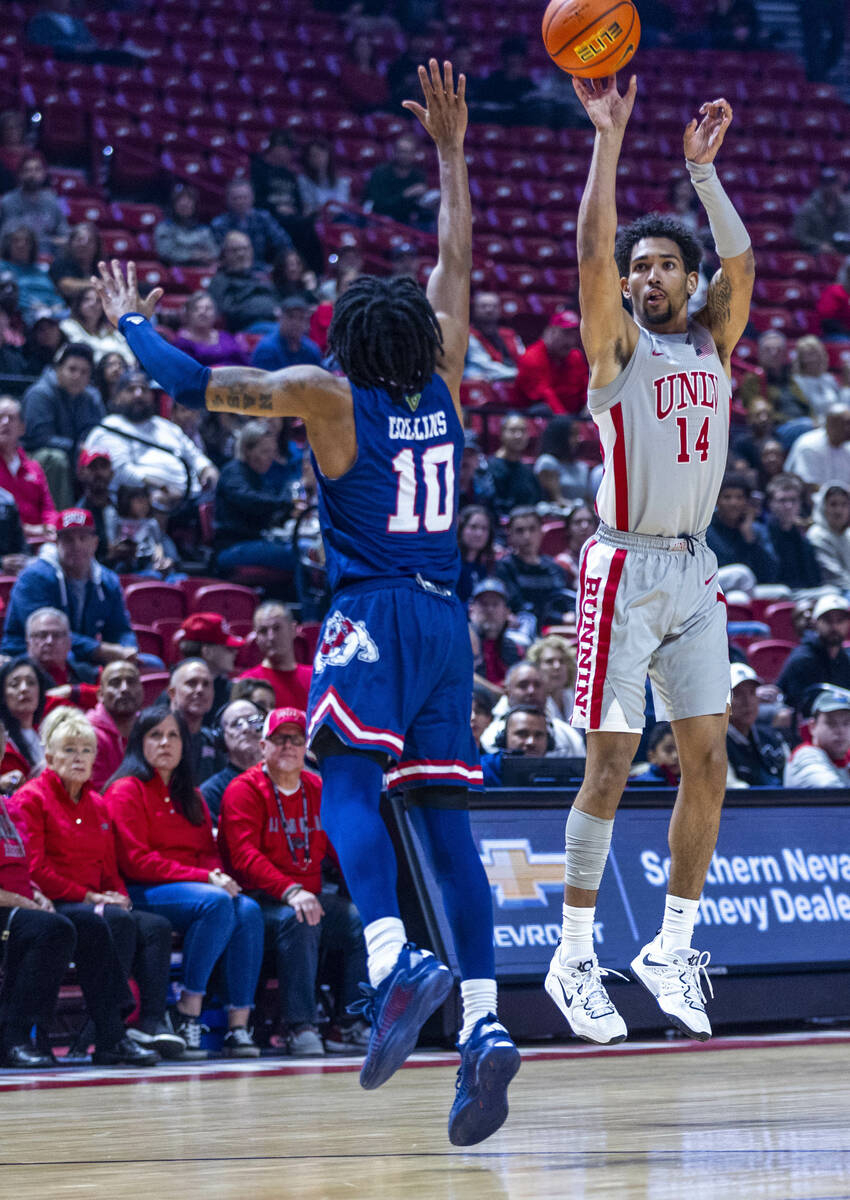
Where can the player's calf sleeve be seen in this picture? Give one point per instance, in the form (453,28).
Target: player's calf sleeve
(728,230)
(463,886)
(351,794)
(588,840)
(184,379)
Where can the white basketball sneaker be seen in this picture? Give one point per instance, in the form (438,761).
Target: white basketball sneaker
(675,980)
(577,989)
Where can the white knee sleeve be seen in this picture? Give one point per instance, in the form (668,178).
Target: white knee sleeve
(588,840)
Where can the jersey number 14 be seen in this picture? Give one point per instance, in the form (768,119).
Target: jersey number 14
(439,496)
(700,445)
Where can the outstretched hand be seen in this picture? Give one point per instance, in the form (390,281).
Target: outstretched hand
(607,109)
(444,116)
(703,140)
(119,295)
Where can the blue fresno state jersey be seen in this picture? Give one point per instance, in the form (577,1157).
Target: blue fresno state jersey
(393,513)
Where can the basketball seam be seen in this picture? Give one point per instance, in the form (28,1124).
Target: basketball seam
(577,36)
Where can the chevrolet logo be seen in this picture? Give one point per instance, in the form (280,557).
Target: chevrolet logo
(519,876)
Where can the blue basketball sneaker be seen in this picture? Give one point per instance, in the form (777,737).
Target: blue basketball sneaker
(398,1008)
(488,1062)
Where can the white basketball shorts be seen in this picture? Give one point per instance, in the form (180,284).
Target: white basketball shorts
(648,605)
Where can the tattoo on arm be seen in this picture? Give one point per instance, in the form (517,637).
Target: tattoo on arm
(239,398)
(719,303)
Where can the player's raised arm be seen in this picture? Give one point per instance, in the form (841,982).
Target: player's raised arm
(728,305)
(608,333)
(306,392)
(445,117)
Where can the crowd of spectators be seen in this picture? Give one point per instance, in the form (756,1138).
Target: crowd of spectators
(188,809)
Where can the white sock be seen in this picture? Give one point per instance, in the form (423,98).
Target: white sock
(577,933)
(384,940)
(479,999)
(677,928)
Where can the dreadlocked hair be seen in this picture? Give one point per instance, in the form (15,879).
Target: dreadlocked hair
(385,334)
(657,225)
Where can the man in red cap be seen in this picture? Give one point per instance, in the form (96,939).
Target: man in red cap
(272,843)
(94,474)
(207,635)
(553,371)
(68,577)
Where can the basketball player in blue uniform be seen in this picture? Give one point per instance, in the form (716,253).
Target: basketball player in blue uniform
(392,680)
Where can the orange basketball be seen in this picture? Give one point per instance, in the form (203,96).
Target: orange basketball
(591,38)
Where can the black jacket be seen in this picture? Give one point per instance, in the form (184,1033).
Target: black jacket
(808,667)
(798,566)
(244,506)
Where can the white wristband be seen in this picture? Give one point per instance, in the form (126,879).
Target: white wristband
(727,228)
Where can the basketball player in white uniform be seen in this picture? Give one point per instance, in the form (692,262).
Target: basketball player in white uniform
(648,596)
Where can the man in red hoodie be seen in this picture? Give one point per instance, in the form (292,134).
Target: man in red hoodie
(272,843)
(553,371)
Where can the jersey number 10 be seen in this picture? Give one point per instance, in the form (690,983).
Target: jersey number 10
(439,500)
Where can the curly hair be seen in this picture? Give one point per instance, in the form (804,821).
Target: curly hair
(656,225)
(385,334)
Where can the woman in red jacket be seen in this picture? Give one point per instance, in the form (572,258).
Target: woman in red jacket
(72,861)
(167,854)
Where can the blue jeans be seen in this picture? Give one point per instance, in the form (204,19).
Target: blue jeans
(277,555)
(213,924)
(297,948)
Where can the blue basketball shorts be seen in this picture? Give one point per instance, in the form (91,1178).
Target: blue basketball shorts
(393,673)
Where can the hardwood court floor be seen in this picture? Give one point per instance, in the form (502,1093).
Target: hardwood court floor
(762,1123)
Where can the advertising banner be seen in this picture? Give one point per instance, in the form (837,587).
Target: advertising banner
(777,892)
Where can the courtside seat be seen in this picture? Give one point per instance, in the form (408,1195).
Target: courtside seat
(140,218)
(153,685)
(115,243)
(476,393)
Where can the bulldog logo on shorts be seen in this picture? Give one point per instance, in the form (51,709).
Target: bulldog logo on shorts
(342,640)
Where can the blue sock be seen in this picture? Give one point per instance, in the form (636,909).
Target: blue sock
(463,886)
(351,794)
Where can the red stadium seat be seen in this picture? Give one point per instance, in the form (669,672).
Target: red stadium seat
(554,538)
(768,658)
(153,685)
(150,641)
(146,602)
(231,601)
(778,617)
(306,641)
(167,627)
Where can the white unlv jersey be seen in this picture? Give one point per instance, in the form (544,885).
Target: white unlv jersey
(664,427)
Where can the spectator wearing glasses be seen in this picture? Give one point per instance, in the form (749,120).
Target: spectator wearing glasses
(239,729)
(273,843)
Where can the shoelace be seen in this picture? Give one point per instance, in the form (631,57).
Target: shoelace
(695,973)
(364,1007)
(596,999)
(192,1032)
(241,1036)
